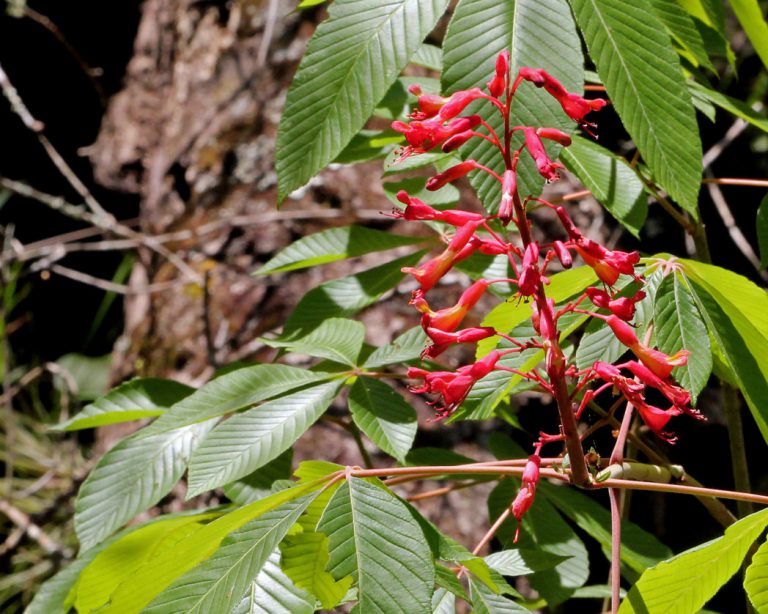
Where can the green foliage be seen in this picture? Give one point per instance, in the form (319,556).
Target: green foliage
(642,75)
(687,581)
(365,523)
(349,65)
(332,245)
(538,33)
(756,578)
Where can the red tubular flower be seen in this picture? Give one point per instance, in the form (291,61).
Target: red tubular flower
(655,417)
(429,104)
(547,168)
(498,83)
(658,362)
(607,264)
(563,255)
(623,307)
(676,395)
(442,340)
(530,276)
(508,196)
(574,106)
(451,174)
(429,273)
(489,248)
(448,319)
(425,135)
(527,492)
(459,101)
(453,387)
(416,209)
(457,141)
(553,134)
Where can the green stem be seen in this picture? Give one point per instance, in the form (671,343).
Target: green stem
(736,440)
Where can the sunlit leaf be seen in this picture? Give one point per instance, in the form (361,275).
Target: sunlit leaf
(336,339)
(645,83)
(249,440)
(352,59)
(687,581)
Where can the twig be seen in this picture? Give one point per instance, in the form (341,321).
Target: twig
(110,286)
(22,520)
(439,492)
(266,37)
(101,217)
(737,444)
(753,183)
(492,531)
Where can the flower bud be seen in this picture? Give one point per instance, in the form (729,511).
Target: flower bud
(508,193)
(563,255)
(451,174)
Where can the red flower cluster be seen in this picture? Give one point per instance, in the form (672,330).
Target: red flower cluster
(438,122)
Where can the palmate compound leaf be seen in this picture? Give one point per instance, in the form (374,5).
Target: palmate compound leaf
(679,325)
(539,34)
(644,80)
(352,59)
(162,570)
(249,440)
(332,245)
(374,538)
(231,392)
(139,398)
(756,579)
(218,584)
(272,592)
(383,415)
(130,478)
(684,583)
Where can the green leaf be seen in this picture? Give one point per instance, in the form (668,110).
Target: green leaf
(118,562)
(350,62)
(366,525)
(272,592)
(219,583)
(545,530)
(383,415)
(683,31)
(538,33)
(258,484)
(598,343)
(485,601)
(373,144)
(522,561)
(347,295)
(139,398)
(639,549)
(687,581)
(89,373)
(305,557)
(679,325)
(443,602)
(231,392)
(336,339)
(405,347)
(132,477)
(415,186)
(761,224)
(249,440)
(644,81)
(506,316)
(395,164)
(736,313)
(161,571)
(610,179)
(732,105)
(332,245)
(305,4)
(756,579)
(752,19)
(428,56)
